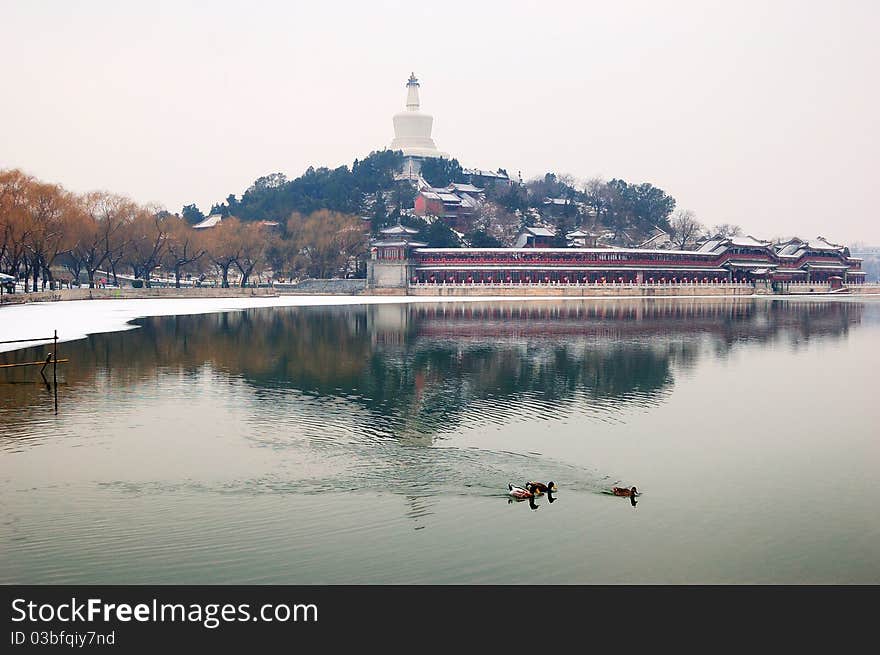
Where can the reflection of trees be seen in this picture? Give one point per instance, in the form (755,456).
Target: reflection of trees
(418,368)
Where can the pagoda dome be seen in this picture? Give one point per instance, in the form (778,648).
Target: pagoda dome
(412,128)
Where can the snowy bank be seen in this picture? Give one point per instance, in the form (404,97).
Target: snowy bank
(76,319)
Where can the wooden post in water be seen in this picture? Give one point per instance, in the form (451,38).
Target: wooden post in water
(55,369)
(43,368)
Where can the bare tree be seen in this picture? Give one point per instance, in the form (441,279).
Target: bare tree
(686,229)
(223,246)
(325,242)
(149,242)
(15,220)
(50,208)
(254,240)
(184,246)
(596,195)
(727,230)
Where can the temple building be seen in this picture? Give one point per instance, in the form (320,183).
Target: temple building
(412,132)
(486,178)
(535,237)
(451,203)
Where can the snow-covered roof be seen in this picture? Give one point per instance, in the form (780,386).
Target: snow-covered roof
(748,241)
(657,235)
(481,173)
(211,221)
(710,245)
(789,249)
(557,201)
(540,231)
(467,188)
(398,229)
(449,197)
(796,247)
(414,244)
(430,195)
(820,243)
(750,264)
(578,234)
(468,201)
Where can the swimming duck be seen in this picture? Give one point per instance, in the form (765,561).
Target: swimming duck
(623,491)
(519,492)
(540,487)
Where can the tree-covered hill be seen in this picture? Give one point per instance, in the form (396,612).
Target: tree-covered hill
(274,197)
(368,188)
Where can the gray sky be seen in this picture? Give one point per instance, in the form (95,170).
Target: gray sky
(758,113)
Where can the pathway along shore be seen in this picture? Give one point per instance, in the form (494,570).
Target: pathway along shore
(356,288)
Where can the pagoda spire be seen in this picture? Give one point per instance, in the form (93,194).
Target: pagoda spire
(412,93)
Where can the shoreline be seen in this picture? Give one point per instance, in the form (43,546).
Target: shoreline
(77,319)
(451,293)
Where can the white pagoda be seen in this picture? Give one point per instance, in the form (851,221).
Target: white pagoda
(412,131)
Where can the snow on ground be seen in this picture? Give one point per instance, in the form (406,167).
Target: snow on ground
(75,319)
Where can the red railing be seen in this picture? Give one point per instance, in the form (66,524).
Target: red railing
(592,259)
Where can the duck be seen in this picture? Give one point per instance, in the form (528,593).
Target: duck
(519,492)
(540,487)
(623,491)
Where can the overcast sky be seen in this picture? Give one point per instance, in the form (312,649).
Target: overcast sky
(759,113)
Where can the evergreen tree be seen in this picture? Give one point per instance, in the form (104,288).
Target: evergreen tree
(192,214)
(440,172)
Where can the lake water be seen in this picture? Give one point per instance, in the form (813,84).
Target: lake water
(374,444)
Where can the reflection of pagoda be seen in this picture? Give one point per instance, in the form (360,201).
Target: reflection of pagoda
(412,132)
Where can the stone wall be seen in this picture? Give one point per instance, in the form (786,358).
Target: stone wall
(115,294)
(323,287)
(387,274)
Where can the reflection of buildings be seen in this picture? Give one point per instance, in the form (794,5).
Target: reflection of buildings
(653,320)
(418,369)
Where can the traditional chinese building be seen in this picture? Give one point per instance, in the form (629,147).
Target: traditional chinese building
(535,237)
(720,260)
(391,257)
(451,202)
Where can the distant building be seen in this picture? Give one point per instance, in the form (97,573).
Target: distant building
(486,178)
(212,221)
(658,238)
(535,237)
(558,206)
(451,203)
(581,239)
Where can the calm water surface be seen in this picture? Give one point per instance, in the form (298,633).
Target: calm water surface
(375,443)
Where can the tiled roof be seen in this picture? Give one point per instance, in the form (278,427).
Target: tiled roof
(211,221)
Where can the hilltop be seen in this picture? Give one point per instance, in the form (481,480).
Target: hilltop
(373,188)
